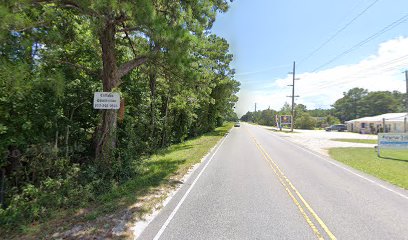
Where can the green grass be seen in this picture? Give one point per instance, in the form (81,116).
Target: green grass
(368,141)
(168,164)
(162,170)
(161,173)
(392,166)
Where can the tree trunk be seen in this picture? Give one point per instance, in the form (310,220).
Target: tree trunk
(2,188)
(164,136)
(106,133)
(152,83)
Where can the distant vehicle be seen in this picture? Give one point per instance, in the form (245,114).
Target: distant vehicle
(237,124)
(337,127)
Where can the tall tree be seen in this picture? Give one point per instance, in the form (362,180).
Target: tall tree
(358,102)
(159,26)
(286,109)
(377,103)
(54,54)
(351,106)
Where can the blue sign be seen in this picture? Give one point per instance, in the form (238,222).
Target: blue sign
(393,140)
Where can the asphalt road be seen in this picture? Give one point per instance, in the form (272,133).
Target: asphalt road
(257,185)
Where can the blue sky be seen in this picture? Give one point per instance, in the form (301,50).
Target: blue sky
(266,36)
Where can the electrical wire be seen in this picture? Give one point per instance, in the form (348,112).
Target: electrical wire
(382,31)
(263,70)
(339,31)
(378,68)
(362,75)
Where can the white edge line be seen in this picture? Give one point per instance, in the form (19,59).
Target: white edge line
(140,226)
(173,213)
(344,168)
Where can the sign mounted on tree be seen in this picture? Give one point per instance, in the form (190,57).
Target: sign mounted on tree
(106,100)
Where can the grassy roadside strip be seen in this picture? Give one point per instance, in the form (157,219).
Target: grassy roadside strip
(135,198)
(368,141)
(392,166)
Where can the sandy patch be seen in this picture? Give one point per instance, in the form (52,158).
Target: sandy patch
(320,140)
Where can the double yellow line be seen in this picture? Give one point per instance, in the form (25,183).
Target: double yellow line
(293,193)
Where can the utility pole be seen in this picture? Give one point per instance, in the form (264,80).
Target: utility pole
(293,95)
(406,92)
(406,101)
(255,107)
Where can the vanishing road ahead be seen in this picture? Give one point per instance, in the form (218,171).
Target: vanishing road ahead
(257,185)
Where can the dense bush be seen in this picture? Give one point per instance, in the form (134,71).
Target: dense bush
(305,121)
(175,82)
(35,202)
(269,116)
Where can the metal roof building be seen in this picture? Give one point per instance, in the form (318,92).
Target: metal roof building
(394,122)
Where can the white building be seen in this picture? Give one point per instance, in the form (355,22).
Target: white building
(394,122)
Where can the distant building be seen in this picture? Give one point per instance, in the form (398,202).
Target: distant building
(394,122)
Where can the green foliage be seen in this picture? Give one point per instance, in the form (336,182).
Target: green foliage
(305,121)
(267,117)
(358,102)
(380,102)
(355,103)
(331,120)
(247,117)
(351,105)
(51,63)
(304,118)
(320,112)
(300,109)
(325,120)
(36,202)
(286,109)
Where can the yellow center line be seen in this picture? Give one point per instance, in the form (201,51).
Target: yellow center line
(302,211)
(279,173)
(318,219)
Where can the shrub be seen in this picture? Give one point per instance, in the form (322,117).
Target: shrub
(35,203)
(305,122)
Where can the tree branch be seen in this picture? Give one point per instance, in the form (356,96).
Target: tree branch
(78,66)
(129,29)
(129,40)
(129,66)
(65,3)
(68,4)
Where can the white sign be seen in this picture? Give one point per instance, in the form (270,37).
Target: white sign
(106,100)
(393,140)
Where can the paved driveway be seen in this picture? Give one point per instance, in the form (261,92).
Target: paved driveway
(320,140)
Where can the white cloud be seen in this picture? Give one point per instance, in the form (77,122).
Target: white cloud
(378,72)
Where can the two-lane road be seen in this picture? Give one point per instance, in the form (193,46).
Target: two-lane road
(257,185)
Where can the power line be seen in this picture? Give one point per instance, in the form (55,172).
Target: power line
(339,31)
(326,85)
(380,68)
(339,84)
(385,29)
(376,68)
(263,70)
